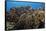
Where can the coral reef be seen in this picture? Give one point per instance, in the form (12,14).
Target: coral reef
(25,18)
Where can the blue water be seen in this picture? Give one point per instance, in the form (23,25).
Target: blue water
(14,4)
